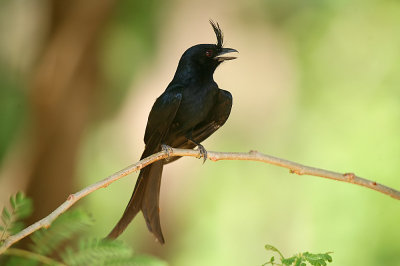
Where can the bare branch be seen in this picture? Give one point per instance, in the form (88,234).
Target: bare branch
(213,156)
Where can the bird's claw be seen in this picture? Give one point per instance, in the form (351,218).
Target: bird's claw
(167,149)
(203,152)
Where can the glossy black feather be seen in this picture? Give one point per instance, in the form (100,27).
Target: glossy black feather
(187,112)
(218,33)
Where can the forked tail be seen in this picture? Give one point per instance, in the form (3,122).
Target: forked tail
(145,198)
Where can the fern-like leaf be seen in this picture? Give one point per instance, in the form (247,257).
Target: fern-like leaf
(21,207)
(97,252)
(63,228)
(301,259)
(319,259)
(107,253)
(68,225)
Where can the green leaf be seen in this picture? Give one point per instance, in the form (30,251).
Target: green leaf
(88,252)
(272,248)
(64,227)
(105,252)
(21,207)
(96,252)
(5,216)
(16,227)
(317,259)
(12,202)
(19,197)
(299,261)
(327,257)
(289,261)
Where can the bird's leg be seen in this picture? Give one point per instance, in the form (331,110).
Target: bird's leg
(203,151)
(167,149)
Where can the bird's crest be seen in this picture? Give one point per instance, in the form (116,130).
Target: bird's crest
(218,33)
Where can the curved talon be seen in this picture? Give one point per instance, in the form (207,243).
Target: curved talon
(167,149)
(203,152)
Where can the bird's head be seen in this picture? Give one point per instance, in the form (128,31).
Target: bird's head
(207,57)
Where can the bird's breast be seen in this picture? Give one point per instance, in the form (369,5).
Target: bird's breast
(195,107)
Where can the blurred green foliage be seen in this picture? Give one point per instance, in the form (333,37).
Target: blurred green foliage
(21,207)
(58,239)
(130,42)
(344,116)
(12,108)
(301,259)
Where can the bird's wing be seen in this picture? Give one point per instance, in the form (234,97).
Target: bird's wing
(161,116)
(218,116)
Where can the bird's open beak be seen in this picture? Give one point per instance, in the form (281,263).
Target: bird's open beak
(222,55)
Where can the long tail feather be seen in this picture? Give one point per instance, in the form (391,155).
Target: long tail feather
(145,198)
(151,199)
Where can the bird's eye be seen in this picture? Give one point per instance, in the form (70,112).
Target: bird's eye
(209,53)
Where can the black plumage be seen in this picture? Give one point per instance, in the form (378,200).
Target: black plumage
(189,111)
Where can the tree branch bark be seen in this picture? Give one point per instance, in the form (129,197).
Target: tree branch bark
(295,168)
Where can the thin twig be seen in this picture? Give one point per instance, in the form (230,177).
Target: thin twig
(295,168)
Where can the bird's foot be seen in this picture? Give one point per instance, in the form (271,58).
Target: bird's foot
(203,152)
(167,149)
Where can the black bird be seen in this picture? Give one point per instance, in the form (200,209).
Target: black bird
(189,111)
